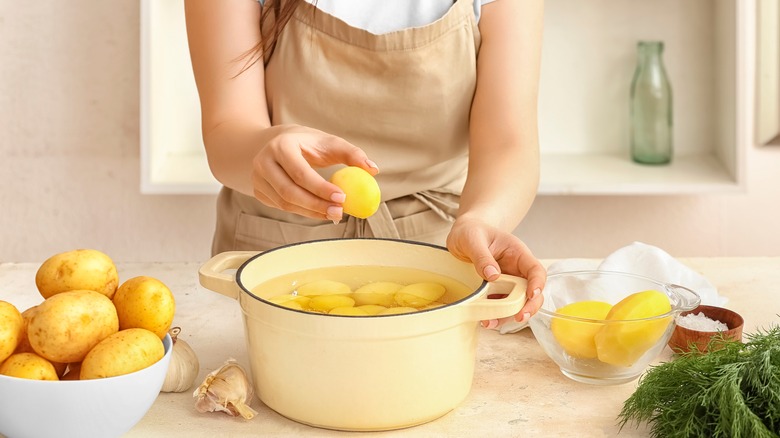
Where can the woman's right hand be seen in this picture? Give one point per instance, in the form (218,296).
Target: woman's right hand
(283,174)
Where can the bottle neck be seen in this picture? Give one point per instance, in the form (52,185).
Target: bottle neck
(650,52)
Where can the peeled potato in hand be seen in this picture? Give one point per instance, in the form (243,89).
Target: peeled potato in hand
(145,302)
(80,269)
(66,326)
(11,323)
(361,189)
(124,352)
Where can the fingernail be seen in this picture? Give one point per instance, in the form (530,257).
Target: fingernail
(536,292)
(490,271)
(525,318)
(491,324)
(372,164)
(338,197)
(334,213)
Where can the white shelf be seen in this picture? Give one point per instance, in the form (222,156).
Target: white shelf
(588,60)
(179,172)
(610,174)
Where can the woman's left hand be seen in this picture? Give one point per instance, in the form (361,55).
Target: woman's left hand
(493,251)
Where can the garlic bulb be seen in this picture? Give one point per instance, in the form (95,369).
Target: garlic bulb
(227,390)
(184,365)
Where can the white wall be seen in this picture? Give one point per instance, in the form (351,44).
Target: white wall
(69,162)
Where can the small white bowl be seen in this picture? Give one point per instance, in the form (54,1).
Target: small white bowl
(80,408)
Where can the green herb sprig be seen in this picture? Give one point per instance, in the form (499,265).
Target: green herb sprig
(732,390)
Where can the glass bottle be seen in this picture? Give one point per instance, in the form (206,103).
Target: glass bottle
(651,107)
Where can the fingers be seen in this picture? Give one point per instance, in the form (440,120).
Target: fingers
(336,150)
(532,305)
(487,267)
(276,189)
(285,175)
(299,184)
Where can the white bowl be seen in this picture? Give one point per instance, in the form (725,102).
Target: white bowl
(80,408)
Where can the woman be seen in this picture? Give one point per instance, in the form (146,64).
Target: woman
(441,95)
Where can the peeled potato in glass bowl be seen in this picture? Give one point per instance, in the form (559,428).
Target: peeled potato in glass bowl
(603,327)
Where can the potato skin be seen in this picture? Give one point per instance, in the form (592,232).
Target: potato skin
(79,269)
(24,342)
(122,353)
(66,326)
(28,366)
(11,323)
(145,302)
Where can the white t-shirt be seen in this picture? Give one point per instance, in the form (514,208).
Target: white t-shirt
(383,16)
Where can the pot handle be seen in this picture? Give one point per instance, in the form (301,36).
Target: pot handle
(212,276)
(494,308)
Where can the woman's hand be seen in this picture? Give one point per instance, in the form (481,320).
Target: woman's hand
(492,252)
(283,174)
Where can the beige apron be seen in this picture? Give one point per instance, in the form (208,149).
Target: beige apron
(404,97)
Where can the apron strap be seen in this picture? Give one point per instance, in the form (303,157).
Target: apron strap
(382,224)
(435,202)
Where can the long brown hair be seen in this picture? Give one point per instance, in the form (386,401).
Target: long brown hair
(280,11)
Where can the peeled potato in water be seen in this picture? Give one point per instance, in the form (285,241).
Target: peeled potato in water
(291,301)
(348,311)
(326,303)
(397,310)
(379,293)
(372,309)
(419,294)
(324,287)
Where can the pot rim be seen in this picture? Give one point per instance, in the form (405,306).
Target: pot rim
(246,291)
(686,303)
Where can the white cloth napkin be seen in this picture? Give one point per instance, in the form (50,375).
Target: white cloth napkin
(641,259)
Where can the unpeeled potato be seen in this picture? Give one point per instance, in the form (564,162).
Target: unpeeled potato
(24,342)
(145,302)
(67,325)
(28,366)
(123,352)
(11,323)
(80,269)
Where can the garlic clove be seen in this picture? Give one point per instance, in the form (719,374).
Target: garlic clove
(184,366)
(226,389)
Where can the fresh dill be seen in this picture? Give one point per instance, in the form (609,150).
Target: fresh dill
(730,391)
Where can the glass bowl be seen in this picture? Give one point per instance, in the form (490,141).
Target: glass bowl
(603,350)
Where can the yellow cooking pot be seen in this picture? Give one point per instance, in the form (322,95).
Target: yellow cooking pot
(360,373)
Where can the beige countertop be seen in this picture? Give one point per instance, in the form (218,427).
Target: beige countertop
(517,391)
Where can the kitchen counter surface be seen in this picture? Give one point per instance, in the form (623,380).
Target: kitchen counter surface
(517,392)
